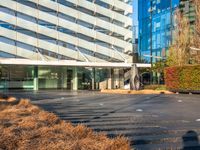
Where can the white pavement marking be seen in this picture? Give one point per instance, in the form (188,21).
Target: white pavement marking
(101,104)
(180,101)
(198,120)
(139,110)
(185,121)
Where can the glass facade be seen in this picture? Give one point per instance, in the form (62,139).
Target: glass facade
(60,77)
(155,27)
(16,76)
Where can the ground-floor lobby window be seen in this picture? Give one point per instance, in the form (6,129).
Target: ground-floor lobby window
(60,77)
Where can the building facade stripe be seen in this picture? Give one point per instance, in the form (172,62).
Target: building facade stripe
(58,35)
(44,45)
(21,52)
(67,24)
(83,16)
(101,10)
(119,4)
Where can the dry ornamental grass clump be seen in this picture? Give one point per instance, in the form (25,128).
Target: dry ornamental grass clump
(25,126)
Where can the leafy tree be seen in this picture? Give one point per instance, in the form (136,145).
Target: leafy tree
(159,66)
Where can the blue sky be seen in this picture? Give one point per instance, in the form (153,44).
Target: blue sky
(135,14)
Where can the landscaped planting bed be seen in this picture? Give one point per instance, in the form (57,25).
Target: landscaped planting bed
(26,126)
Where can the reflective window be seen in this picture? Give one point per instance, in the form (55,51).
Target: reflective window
(155,25)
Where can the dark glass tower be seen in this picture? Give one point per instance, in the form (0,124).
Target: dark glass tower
(155,27)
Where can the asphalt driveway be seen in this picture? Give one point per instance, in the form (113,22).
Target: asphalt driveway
(149,121)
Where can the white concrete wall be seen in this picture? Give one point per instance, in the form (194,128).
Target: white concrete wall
(23,21)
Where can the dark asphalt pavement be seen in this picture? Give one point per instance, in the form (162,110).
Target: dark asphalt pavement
(149,121)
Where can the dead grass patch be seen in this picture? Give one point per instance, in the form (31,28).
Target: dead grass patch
(25,126)
(119,91)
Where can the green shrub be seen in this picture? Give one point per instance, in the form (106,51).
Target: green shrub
(185,78)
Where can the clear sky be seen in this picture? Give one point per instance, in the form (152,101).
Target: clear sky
(135,16)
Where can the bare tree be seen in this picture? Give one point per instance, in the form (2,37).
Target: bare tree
(179,51)
(195,55)
(197,24)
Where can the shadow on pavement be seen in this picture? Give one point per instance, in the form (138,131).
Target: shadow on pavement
(140,142)
(190,141)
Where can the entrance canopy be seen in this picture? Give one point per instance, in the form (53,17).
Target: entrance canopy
(16,61)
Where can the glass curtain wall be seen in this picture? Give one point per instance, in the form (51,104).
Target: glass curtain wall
(16,77)
(62,77)
(100,78)
(155,27)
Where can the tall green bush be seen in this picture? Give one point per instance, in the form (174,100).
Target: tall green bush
(184,78)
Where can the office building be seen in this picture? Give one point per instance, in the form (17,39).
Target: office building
(64,44)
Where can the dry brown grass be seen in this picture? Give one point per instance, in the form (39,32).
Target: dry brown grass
(25,126)
(118,91)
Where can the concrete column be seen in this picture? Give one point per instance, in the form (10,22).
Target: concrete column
(60,78)
(93,79)
(35,80)
(75,79)
(122,78)
(116,79)
(64,77)
(110,79)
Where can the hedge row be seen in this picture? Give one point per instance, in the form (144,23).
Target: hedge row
(185,78)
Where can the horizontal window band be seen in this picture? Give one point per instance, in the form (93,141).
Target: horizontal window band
(65,7)
(72,26)
(54,34)
(101,10)
(45,45)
